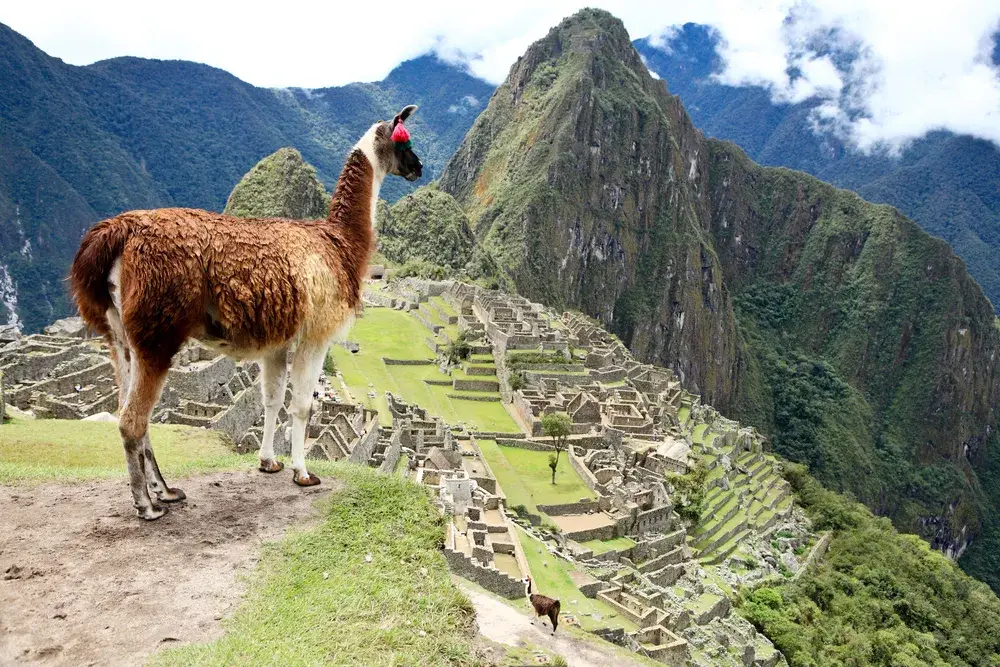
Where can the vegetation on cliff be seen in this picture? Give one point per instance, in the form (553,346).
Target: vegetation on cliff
(875,352)
(282,185)
(876,598)
(426,225)
(946,183)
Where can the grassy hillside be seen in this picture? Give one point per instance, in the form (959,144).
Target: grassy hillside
(368,586)
(37,450)
(876,598)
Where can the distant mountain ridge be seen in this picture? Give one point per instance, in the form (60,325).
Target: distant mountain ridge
(949,184)
(78,144)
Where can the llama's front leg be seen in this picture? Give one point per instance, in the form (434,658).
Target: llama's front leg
(305,375)
(274,379)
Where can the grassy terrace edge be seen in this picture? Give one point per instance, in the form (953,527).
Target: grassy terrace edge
(317,598)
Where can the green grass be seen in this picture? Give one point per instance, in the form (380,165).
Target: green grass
(532,468)
(698,433)
(384,332)
(554,580)
(399,609)
(507,477)
(45,449)
(603,546)
(683,415)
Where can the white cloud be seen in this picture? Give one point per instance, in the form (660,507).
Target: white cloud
(646,63)
(920,65)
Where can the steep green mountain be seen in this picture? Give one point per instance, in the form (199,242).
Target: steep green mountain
(81,143)
(428,225)
(282,185)
(949,184)
(855,340)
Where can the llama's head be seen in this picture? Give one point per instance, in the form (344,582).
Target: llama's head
(387,145)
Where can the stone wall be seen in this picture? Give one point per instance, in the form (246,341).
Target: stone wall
(388,361)
(363,450)
(476,385)
(581,507)
(393,452)
(198,383)
(489,578)
(237,419)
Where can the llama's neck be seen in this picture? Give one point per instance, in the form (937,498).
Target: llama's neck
(527,588)
(349,225)
(367,146)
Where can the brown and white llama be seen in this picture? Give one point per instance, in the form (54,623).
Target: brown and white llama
(267,289)
(541,605)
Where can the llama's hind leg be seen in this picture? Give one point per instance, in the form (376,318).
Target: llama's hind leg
(154,480)
(306,366)
(274,379)
(133,423)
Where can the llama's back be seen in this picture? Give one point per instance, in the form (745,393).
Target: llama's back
(247,284)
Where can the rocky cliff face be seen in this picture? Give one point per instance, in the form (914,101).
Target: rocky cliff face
(588,183)
(851,337)
(282,185)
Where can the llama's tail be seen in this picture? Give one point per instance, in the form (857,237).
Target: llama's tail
(88,277)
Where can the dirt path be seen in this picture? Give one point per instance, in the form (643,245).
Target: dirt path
(83,581)
(505,625)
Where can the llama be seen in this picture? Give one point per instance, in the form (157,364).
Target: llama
(274,290)
(541,605)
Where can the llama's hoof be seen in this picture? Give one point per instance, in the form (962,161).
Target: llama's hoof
(151,513)
(271,465)
(309,480)
(171,496)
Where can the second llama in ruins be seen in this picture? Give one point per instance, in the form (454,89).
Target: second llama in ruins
(252,289)
(542,605)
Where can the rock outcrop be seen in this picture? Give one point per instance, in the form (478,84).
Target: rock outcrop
(282,185)
(427,225)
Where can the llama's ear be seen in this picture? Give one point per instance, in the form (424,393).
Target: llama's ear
(404,114)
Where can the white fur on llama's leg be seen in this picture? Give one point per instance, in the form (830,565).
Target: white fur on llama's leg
(274,379)
(118,335)
(306,366)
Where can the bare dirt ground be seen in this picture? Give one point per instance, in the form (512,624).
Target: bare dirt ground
(83,581)
(499,622)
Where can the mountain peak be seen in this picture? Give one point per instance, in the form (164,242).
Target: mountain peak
(282,185)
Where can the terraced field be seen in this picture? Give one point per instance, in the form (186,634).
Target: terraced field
(755,498)
(395,334)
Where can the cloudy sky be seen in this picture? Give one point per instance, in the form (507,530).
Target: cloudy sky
(917,66)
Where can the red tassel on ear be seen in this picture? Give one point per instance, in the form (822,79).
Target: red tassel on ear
(400,135)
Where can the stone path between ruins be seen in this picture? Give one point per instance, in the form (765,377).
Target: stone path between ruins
(501,623)
(85,582)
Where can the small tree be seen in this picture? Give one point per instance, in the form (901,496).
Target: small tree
(459,349)
(556,425)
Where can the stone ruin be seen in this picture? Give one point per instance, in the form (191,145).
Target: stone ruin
(63,374)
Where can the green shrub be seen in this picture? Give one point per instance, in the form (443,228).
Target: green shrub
(419,268)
